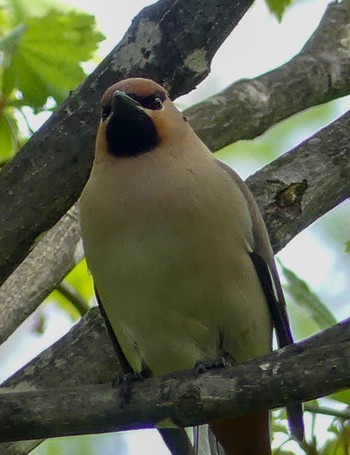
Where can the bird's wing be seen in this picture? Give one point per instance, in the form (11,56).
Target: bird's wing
(125,366)
(176,439)
(263,260)
(264,263)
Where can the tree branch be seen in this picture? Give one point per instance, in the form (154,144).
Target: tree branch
(85,356)
(264,383)
(305,183)
(247,108)
(170,41)
(42,270)
(343,414)
(73,296)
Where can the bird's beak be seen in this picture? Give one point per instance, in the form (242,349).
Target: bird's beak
(121,102)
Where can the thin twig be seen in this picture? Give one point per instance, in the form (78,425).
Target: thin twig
(340,414)
(71,294)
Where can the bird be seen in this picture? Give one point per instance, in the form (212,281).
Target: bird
(179,253)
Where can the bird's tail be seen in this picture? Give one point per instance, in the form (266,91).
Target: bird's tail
(246,435)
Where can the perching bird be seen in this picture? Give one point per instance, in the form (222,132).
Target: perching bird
(178,250)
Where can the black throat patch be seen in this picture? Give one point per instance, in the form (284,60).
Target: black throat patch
(131,133)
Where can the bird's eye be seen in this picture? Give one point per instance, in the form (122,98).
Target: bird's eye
(158,103)
(154,102)
(105,111)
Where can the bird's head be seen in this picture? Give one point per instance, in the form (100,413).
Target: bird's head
(137,117)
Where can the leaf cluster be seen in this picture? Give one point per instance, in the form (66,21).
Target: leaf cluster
(40,63)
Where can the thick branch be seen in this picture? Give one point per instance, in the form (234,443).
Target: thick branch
(39,273)
(291,196)
(170,41)
(305,183)
(264,383)
(319,73)
(85,356)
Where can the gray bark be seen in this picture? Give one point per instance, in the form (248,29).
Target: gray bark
(247,108)
(301,372)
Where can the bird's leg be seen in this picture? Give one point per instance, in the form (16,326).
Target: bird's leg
(225,360)
(123,382)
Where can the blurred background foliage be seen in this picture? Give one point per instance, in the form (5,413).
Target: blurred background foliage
(43,44)
(42,48)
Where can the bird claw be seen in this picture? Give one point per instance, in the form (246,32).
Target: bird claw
(227,360)
(123,382)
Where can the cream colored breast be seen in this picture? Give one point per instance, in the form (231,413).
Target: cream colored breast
(164,235)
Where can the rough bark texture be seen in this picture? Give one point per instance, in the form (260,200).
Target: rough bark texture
(172,42)
(39,273)
(247,108)
(296,373)
(85,356)
(305,183)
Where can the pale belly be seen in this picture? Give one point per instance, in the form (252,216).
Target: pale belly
(176,297)
(170,261)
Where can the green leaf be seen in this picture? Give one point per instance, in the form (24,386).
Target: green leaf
(298,290)
(81,280)
(6,21)
(278,7)
(338,445)
(22,9)
(21,75)
(9,42)
(8,134)
(46,58)
(283,452)
(279,428)
(347,247)
(343,396)
(8,82)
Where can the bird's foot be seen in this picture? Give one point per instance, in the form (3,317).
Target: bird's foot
(123,382)
(226,360)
